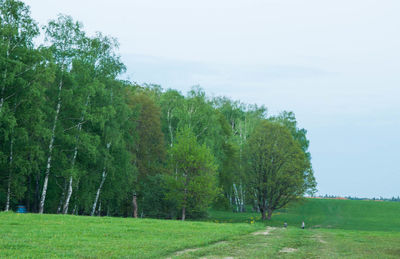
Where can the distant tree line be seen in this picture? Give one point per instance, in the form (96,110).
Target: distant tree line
(76,139)
(360,198)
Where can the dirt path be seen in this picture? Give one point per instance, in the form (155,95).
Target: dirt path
(287,250)
(265,232)
(270,242)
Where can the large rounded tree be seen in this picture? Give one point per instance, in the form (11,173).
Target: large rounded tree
(277,167)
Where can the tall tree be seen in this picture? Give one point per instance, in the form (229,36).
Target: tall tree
(149,149)
(88,69)
(288,119)
(193,184)
(171,102)
(112,132)
(18,64)
(65,37)
(242,119)
(276,167)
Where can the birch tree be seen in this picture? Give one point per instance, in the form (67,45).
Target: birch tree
(171,102)
(242,119)
(87,69)
(64,35)
(18,63)
(17,29)
(110,67)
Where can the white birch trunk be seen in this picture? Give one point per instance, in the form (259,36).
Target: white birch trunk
(9,175)
(69,193)
(99,210)
(46,177)
(8,192)
(104,174)
(242,198)
(236,197)
(68,198)
(103,178)
(10,165)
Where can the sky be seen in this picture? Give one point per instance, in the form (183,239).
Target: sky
(335,64)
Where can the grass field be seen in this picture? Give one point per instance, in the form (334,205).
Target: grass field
(334,229)
(326,213)
(50,236)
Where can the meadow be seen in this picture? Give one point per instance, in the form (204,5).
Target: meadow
(334,229)
(45,236)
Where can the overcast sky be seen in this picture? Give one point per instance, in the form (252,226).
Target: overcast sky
(334,63)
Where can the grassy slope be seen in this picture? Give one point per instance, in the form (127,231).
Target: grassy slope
(335,229)
(344,214)
(44,236)
(315,243)
(324,213)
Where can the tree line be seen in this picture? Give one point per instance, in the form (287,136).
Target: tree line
(75,138)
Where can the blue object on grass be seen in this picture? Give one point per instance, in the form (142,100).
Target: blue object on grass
(21,209)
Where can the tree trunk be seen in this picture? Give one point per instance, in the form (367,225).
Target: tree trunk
(242,198)
(236,195)
(10,164)
(68,198)
(66,203)
(60,204)
(10,175)
(37,193)
(134,204)
(8,192)
(103,178)
(263,216)
(46,176)
(28,194)
(2,97)
(183,213)
(269,214)
(184,204)
(99,210)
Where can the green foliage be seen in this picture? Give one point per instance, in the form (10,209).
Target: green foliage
(152,198)
(192,181)
(276,167)
(288,120)
(69,127)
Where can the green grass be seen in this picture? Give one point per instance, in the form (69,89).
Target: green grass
(334,229)
(312,243)
(343,214)
(44,236)
(325,213)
